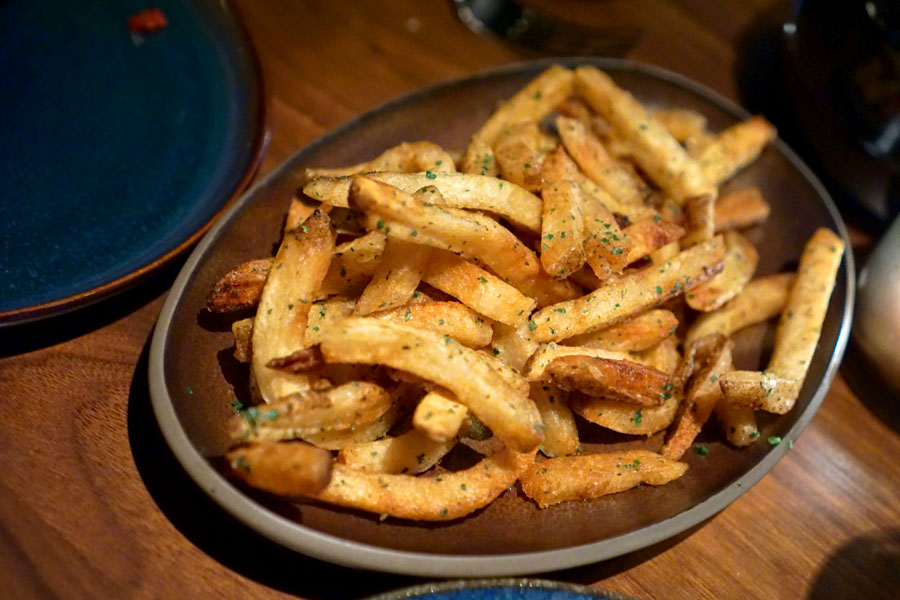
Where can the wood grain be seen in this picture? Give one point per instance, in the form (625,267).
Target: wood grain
(93,505)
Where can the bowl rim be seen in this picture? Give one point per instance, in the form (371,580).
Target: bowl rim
(359,555)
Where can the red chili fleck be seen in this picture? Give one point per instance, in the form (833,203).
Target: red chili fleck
(148,20)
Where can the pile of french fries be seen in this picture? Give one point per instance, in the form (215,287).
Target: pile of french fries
(577,261)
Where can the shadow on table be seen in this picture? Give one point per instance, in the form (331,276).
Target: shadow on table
(244,551)
(866,567)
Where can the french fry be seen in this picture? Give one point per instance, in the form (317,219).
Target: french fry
(324,314)
(546,353)
(240,288)
(369,432)
(737,422)
(575,108)
(279,329)
(395,279)
(740,263)
(637,333)
(740,209)
(734,148)
(298,212)
(362,254)
(681,123)
(560,431)
(411,452)
(408,157)
(447,318)
(629,295)
(479,159)
(468,374)
(439,417)
(242,331)
(633,212)
(763,390)
(289,469)
(621,380)
(562,226)
(760,300)
(476,288)
(513,344)
(532,103)
(343,281)
(459,190)
(700,220)
(556,480)
(606,247)
(439,498)
(518,156)
(649,235)
(663,356)
(702,396)
(598,165)
(624,417)
(653,148)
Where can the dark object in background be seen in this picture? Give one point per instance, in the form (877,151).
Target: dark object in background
(842,68)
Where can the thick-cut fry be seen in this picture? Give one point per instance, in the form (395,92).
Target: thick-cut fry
(447,318)
(439,417)
(242,331)
(439,498)
(556,480)
(663,356)
(737,422)
(343,281)
(298,212)
(630,294)
(575,108)
(547,353)
(653,148)
(681,123)
(479,159)
(700,220)
(518,156)
(632,212)
(395,279)
(562,227)
(411,452)
(638,333)
(459,190)
(606,247)
(740,209)
(337,440)
(362,254)
(649,235)
(477,289)
(560,432)
(701,398)
(342,408)
(279,329)
(324,314)
(764,390)
(760,300)
(532,103)
(621,380)
(408,157)
(740,263)
(598,165)
(513,344)
(289,469)
(734,148)
(624,417)
(497,402)
(239,288)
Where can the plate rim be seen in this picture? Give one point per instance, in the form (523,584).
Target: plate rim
(353,554)
(422,590)
(259,142)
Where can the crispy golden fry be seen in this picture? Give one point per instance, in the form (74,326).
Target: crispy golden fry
(395,279)
(342,281)
(575,108)
(606,247)
(513,344)
(624,417)
(556,480)
(362,254)
(562,227)
(560,432)
(500,403)
(671,211)
(338,440)
(740,263)
(242,331)
(518,155)
(532,103)
(649,235)
(629,295)
(298,212)
(681,123)
(700,220)
(734,148)
(653,148)
(479,159)
(411,452)
(324,314)
(798,330)
(701,398)
(598,165)
(438,498)
(477,289)
(289,469)
(760,300)
(447,318)
(737,422)
(408,157)
(293,283)
(240,288)
(546,353)
(439,417)
(663,356)
(638,333)
(342,408)
(459,190)
(633,212)
(740,209)
(621,380)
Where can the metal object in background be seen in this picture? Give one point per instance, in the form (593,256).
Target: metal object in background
(543,34)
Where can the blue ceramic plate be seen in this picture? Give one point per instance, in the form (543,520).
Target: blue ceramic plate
(118,149)
(500,589)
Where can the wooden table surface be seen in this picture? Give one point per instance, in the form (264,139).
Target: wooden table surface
(93,505)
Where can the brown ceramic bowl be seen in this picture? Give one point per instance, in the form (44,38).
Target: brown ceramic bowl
(193,378)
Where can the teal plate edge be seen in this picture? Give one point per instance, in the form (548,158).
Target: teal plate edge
(500,589)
